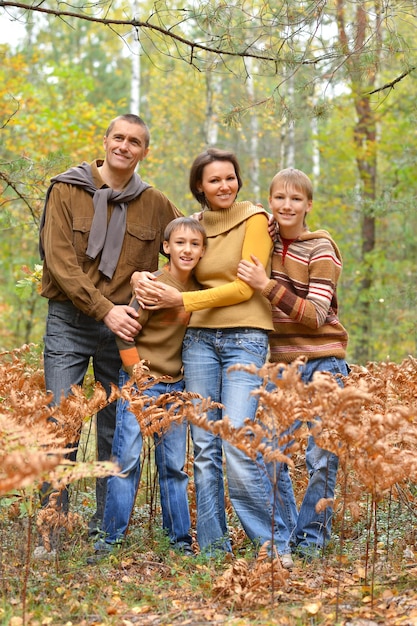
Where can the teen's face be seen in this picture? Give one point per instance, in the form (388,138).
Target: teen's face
(289,207)
(219,184)
(125,146)
(185,247)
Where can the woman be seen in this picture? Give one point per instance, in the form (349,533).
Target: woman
(229,325)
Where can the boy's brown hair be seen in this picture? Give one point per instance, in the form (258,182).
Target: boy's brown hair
(185,222)
(294,178)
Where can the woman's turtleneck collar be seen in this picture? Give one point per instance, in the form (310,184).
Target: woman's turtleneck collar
(223,220)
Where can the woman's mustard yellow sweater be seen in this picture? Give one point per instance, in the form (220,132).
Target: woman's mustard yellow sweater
(226,301)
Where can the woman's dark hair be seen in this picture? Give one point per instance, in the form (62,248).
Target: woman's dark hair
(200,162)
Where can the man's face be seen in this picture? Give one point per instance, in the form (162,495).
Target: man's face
(125,146)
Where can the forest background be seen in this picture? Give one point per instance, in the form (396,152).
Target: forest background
(327,87)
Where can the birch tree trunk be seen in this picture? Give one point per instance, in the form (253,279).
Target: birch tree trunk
(135,64)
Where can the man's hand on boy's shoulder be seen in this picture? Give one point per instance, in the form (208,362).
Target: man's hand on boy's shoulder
(137,276)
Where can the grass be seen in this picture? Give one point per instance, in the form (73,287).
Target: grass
(146,582)
(367,575)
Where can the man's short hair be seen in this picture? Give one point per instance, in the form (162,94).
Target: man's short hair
(132,119)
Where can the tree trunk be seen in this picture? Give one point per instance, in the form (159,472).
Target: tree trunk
(366,151)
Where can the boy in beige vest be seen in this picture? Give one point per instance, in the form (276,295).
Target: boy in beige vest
(159,344)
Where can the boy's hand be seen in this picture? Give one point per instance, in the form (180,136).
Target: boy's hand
(253,273)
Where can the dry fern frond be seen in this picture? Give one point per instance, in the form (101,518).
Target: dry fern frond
(52,519)
(243,585)
(68,472)
(323,503)
(75,409)
(287,403)
(370,423)
(34,438)
(26,455)
(155,414)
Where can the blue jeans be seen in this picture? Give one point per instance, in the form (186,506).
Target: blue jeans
(307,530)
(207,356)
(71,340)
(170,451)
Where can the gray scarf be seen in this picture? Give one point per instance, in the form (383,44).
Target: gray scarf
(104,238)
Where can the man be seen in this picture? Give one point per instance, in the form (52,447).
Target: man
(101,222)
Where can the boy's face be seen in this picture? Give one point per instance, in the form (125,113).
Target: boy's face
(289,206)
(185,248)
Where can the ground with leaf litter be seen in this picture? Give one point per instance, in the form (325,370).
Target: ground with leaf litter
(367,576)
(147,583)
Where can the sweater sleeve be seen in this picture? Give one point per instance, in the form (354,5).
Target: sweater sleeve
(129,352)
(313,310)
(257,242)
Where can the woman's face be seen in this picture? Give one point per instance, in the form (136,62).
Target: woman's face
(219,185)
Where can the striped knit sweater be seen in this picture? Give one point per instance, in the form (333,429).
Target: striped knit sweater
(302,292)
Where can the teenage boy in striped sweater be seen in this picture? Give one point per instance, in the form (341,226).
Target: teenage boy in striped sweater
(302,291)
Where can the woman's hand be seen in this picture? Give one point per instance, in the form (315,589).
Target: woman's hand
(155,295)
(272,227)
(253,273)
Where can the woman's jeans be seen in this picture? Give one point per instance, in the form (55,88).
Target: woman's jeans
(170,451)
(309,531)
(207,356)
(71,340)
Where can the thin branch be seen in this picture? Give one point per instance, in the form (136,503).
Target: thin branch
(136,24)
(11,116)
(15,186)
(147,26)
(391,84)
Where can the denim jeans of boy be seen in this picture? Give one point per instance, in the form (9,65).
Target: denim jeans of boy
(307,530)
(71,340)
(170,451)
(207,356)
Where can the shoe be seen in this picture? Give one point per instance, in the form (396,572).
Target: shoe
(40,553)
(286,561)
(94,532)
(100,553)
(185,549)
